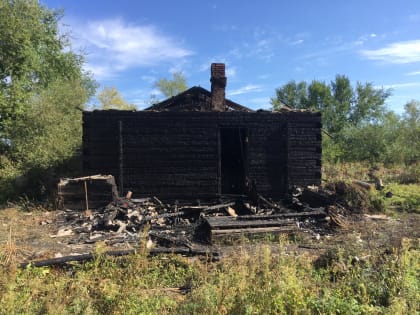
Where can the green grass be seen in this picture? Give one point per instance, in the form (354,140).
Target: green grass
(402,181)
(404,198)
(258,283)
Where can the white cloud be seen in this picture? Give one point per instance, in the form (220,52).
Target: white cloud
(401,85)
(336,45)
(245,89)
(399,52)
(413,73)
(296,42)
(114,45)
(103,71)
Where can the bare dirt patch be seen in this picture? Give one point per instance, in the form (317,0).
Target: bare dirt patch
(31,234)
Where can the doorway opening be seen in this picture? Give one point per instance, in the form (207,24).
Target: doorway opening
(233,148)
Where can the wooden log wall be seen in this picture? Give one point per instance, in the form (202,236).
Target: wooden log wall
(175,155)
(304,144)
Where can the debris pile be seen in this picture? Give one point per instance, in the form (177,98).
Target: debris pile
(189,226)
(127,221)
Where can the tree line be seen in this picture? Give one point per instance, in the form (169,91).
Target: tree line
(356,122)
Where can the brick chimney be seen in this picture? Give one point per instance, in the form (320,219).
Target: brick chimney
(218,85)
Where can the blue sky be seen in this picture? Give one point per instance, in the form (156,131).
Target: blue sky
(131,44)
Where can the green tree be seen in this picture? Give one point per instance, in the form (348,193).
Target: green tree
(365,143)
(368,104)
(43,90)
(172,87)
(341,105)
(354,117)
(410,132)
(50,132)
(110,98)
(343,98)
(32,55)
(292,95)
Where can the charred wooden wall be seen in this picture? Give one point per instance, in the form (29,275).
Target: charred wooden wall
(177,154)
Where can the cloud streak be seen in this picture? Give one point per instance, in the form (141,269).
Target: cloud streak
(401,85)
(113,46)
(413,73)
(395,53)
(245,89)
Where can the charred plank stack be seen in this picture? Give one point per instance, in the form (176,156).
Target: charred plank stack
(87,192)
(221,227)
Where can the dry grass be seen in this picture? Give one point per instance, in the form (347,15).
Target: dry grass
(401,174)
(9,251)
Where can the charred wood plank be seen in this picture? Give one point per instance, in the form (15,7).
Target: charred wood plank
(218,207)
(218,223)
(316,213)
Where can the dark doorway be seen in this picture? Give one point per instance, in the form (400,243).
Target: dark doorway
(233,160)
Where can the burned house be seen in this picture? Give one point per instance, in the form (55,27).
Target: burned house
(200,145)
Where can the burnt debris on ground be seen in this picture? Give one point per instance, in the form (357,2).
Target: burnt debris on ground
(192,225)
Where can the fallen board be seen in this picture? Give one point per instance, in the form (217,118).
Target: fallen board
(316,213)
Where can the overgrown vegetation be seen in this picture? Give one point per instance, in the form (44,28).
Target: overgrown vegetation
(338,282)
(43,90)
(401,190)
(404,198)
(357,124)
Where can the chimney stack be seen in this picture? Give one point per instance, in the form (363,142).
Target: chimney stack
(218,85)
